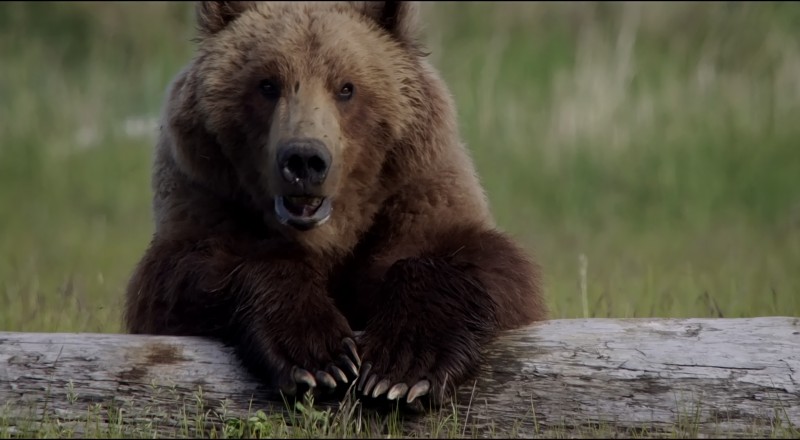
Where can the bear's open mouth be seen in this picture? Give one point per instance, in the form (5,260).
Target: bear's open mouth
(302,212)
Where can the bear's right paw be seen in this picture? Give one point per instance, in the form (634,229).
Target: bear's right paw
(341,371)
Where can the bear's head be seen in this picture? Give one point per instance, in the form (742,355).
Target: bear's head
(296,106)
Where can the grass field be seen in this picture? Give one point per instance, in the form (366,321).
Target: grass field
(657,143)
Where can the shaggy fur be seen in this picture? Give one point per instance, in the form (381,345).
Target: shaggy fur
(410,253)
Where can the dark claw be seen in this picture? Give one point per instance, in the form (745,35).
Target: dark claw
(397,391)
(364,375)
(338,374)
(381,388)
(419,389)
(348,365)
(351,347)
(326,379)
(370,383)
(300,375)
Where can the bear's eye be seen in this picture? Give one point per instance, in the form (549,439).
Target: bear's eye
(346,92)
(269,89)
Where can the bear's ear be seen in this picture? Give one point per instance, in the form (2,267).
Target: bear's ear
(212,16)
(399,18)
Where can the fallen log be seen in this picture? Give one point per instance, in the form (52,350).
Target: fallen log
(699,377)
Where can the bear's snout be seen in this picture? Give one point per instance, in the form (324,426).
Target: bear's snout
(303,164)
(302,199)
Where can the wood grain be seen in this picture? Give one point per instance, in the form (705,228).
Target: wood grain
(717,377)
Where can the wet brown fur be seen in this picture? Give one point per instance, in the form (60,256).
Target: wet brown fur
(411,254)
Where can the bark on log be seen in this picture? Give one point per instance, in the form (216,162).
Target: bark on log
(702,377)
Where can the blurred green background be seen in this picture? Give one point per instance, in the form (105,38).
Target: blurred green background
(647,153)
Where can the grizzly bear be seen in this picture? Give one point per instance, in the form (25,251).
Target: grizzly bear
(309,183)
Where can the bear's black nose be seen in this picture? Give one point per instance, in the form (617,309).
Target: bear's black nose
(304,161)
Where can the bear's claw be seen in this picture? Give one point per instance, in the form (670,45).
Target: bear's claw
(348,364)
(381,388)
(300,375)
(351,347)
(419,389)
(373,379)
(397,391)
(364,375)
(326,379)
(338,374)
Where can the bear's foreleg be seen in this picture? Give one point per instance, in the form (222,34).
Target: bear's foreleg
(438,309)
(272,307)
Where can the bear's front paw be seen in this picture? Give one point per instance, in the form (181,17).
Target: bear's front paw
(426,338)
(340,370)
(310,347)
(415,361)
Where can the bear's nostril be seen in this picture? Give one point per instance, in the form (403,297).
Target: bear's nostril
(317,164)
(296,166)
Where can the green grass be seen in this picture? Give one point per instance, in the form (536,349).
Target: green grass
(659,142)
(347,420)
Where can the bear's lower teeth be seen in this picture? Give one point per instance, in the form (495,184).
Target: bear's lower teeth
(305,206)
(313,202)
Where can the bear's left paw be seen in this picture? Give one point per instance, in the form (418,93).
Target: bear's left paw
(369,386)
(426,337)
(423,363)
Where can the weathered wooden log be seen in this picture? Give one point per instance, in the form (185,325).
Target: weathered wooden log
(702,377)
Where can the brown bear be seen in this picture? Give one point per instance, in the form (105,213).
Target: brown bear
(309,182)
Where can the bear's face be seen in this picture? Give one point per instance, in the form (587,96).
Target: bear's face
(304,100)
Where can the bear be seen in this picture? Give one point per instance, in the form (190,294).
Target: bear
(316,209)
